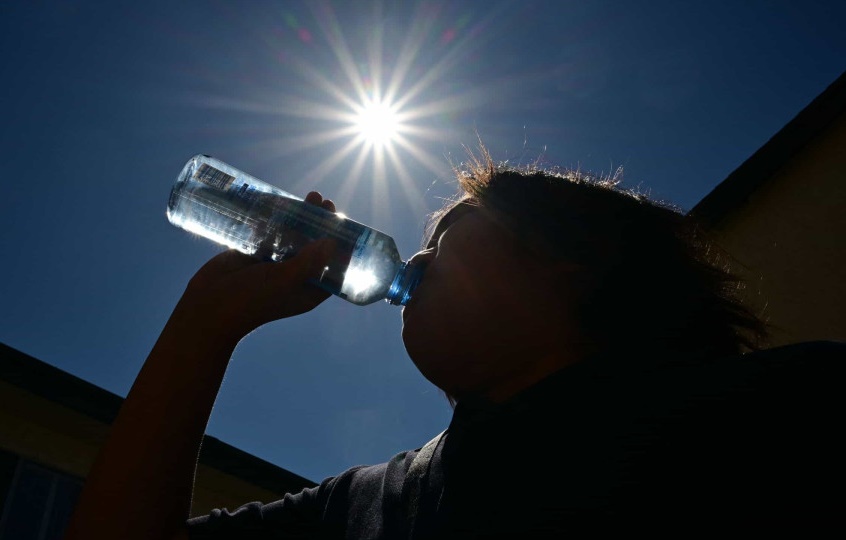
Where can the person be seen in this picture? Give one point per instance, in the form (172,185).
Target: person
(559,313)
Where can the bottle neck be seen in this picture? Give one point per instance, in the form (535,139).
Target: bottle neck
(407,278)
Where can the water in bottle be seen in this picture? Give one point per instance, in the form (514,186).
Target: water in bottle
(230,207)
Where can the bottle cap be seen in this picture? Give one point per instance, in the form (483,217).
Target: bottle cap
(406,280)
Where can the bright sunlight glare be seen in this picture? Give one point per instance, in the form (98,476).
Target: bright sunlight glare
(377,123)
(370,112)
(359,280)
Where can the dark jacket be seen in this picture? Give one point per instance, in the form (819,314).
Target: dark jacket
(751,441)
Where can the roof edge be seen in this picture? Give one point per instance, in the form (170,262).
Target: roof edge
(60,387)
(778,150)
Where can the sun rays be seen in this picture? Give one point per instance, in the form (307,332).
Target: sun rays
(380,116)
(375,110)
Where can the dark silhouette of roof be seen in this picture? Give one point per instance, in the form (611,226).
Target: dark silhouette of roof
(48,382)
(787,142)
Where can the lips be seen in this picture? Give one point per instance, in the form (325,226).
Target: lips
(408,305)
(412,301)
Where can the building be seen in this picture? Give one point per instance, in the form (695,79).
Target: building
(51,427)
(781,217)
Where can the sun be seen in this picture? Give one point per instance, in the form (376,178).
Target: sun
(377,123)
(377,108)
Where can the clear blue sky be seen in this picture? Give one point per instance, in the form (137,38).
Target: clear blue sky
(102,103)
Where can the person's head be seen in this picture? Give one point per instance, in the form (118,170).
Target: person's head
(530,271)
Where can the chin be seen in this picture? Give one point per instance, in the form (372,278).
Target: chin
(424,356)
(438,366)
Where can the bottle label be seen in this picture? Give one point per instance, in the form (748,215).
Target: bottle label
(214,177)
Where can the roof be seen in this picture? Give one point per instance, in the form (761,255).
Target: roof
(760,167)
(53,384)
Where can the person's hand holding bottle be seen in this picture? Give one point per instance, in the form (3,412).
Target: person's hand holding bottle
(233,294)
(130,495)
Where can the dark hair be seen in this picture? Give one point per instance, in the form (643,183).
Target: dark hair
(656,286)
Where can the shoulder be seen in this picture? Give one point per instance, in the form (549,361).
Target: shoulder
(330,507)
(364,490)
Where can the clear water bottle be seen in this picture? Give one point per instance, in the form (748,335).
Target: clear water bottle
(230,207)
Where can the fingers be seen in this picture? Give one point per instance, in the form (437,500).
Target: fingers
(221,264)
(286,290)
(308,263)
(230,260)
(315,198)
(282,278)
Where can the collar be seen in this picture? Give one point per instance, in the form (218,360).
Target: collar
(551,394)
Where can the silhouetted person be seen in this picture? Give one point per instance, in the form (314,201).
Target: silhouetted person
(587,337)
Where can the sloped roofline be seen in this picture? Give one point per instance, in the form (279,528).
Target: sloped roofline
(28,373)
(732,192)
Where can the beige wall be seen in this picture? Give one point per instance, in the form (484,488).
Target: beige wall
(49,434)
(789,242)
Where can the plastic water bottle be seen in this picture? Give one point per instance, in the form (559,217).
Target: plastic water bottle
(230,207)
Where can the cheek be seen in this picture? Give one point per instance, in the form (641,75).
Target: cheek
(458,302)
(434,326)
(463,281)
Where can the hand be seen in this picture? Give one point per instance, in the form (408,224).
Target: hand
(233,294)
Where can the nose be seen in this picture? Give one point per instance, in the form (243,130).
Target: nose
(422,257)
(420,261)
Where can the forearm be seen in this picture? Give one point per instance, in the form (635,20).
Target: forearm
(142,481)
(141,484)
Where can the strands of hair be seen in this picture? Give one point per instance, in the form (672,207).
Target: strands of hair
(654,282)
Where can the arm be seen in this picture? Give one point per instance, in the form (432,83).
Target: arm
(141,484)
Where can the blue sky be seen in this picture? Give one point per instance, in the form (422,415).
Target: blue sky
(103,102)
